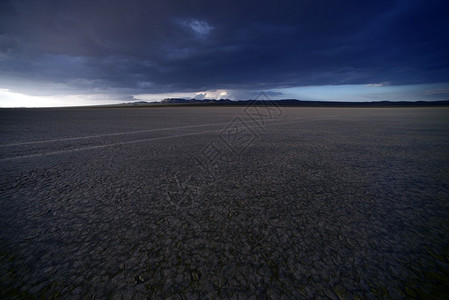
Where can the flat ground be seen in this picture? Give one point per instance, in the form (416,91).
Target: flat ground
(224,201)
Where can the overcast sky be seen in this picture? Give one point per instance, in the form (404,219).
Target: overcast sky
(99,51)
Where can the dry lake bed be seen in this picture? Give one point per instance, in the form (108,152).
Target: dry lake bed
(227,202)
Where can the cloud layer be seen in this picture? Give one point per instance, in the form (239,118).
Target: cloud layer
(124,48)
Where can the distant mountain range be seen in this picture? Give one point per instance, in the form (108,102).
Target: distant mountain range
(194,101)
(289,102)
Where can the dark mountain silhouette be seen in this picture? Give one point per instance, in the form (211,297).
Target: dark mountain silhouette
(295,102)
(193,101)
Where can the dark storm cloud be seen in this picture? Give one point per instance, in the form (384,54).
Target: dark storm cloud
(128,47)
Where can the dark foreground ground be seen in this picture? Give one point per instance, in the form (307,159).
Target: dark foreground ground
(224,202)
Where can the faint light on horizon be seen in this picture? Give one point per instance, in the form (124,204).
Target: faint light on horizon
(352,93)
(14,99)
(366,92)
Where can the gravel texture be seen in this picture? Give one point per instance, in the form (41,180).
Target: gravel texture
(227,202)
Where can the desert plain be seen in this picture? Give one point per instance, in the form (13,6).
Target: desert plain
(224,202)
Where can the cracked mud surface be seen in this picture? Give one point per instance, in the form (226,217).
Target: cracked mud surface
(134,204)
